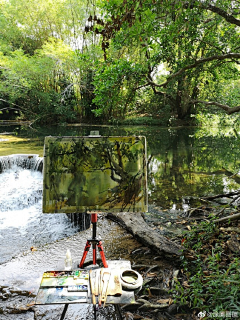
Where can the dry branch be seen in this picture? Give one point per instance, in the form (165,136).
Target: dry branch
(228,17)
(232,217)
(195,64)
(224,195)
(225,107)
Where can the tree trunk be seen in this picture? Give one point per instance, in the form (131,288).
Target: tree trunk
(135,224)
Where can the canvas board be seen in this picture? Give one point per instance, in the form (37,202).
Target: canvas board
(94,174)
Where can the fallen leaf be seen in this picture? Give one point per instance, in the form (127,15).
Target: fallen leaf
(180,222)
(163,301)
(183,240)
(23,308)
(128,316)
(185,284)
(137,316)
(150,293)
(151,274)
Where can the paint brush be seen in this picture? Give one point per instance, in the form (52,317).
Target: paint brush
(106,277)
(96,284)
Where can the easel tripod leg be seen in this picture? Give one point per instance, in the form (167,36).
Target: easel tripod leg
(85,252)
(95,311)
(100,248)
(64,312)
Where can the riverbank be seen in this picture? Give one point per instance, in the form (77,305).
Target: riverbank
(165,279)
(182,165)
(20,277)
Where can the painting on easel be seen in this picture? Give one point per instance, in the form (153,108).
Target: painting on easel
(94,174)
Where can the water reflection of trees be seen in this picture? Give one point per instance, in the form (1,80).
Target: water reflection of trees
(183,164)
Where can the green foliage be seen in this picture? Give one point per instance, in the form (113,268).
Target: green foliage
(179,36)
(212,278)
(139,121)
(115,86)
(29,25)
(156,57)
(38,67)
(217,119)
(38,85)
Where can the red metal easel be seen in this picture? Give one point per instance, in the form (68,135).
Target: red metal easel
(95,243)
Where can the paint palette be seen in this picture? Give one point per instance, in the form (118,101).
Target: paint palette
(64,287)
(80,288)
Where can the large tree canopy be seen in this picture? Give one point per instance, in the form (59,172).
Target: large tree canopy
(196,42)
(87,59)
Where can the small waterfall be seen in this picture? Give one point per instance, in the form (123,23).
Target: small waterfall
(80,220)
(25,161)
(22,223)
(35,163)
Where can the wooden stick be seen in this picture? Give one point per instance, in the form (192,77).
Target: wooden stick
(106,277)
(96,284)
(232,217)
(91,285)
(100,288)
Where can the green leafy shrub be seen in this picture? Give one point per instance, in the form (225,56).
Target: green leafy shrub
(210,273)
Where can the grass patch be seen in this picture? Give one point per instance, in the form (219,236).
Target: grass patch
(210,271)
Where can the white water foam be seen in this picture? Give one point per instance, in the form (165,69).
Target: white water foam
(22,223)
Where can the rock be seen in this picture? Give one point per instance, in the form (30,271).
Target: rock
(172,309)
(233,244)
(158,291)
(145,297)
(151,307)
(143,301)
(131,306)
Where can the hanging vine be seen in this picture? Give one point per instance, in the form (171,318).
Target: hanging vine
(107,29)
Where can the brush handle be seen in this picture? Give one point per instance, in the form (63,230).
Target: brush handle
(100,287)
(106,277)
(91,285)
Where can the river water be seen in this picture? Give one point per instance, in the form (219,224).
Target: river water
(183,163)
